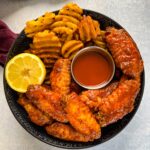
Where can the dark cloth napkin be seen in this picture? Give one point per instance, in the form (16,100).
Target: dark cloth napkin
(7,37)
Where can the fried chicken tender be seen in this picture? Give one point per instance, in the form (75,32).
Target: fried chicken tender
(81,118)
(66,132)
(35,115)
(60,77)
(124,51)
(121,102)
(92,98)
(47,101)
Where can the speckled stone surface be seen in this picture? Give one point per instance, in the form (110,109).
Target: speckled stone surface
(134,16)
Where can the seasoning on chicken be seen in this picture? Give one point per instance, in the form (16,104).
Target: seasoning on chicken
(47,101)
(81,118)
(118,104)
(60,77)
(66,132)
(124,51)
(92,98)
(35,115)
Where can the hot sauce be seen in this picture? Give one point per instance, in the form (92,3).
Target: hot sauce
(92,68)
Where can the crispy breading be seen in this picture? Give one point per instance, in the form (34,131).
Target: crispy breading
(60,77)
(124,51)
(35,115)
(81,118)
(47,101)
(66,132)
(121,102)
(92,98)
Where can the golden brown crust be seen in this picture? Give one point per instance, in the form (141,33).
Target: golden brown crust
(124,51)
(47,101)
(121,102)
(81,118)
(66,132)
(35,115)
(92,98)
(60,77)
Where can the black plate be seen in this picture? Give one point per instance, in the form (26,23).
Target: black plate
(21,44)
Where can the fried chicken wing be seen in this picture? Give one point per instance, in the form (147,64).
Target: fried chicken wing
(35,115)
(124,51)
(92,98)
(47,101)
(66,132)
(81,118)
(60,77)
(121,102)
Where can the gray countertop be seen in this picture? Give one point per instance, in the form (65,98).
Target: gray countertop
(134,16)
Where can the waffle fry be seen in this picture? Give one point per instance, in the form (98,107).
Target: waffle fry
(88,29)
(49,62)
(70,48)
(68,24)
(72,10)
(47,46)
(45,39)
(99,41)
(84,31)
(76,36)
(97,27)
(45,50)
(66,18)
(40,24)
(49,55)
(64,29)
(64,33)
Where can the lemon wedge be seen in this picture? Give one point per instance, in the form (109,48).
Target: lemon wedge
(23,70)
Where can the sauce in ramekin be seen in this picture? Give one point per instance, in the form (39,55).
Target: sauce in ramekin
(92,68)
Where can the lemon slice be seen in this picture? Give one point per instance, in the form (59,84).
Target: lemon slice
(24,69)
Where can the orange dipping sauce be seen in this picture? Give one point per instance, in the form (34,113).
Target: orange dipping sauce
(92,68)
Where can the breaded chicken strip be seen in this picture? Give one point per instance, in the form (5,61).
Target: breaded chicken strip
(60,77)
(47,101)
(92,98)
(81,118)
(121,102)
(35,115)
(66,132)
(124,51)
